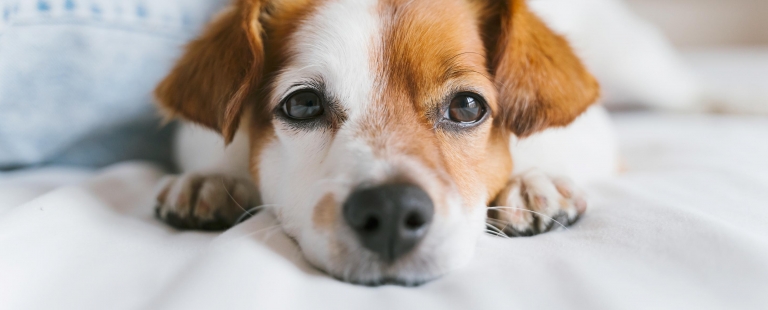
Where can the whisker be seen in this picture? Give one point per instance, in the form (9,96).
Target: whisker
(534,212)
(255,209)
(491,232)
(495,221)
(498,223)
(230,196)
(251,234)
(248,213)
(270,234)
(252,211)
(496,230)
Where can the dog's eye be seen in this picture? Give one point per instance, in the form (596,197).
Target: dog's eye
(303,105)
(465,108)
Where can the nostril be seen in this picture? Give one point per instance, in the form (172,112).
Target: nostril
(414,221)
(371,225)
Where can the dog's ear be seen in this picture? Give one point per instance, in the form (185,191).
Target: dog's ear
(218,72)
(541,82)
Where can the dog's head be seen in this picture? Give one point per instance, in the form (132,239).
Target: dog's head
(380,128)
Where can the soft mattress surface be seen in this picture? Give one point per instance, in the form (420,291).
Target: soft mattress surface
(686,227)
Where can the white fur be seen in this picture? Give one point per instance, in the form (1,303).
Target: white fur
(335,46)
(202,151)
(585,150)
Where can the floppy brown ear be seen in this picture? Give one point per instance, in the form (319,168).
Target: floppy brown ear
(541,81)
(218,71)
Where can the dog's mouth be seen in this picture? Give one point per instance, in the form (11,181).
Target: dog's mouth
(405,273)
(394,281)
(445,249)
(397,231)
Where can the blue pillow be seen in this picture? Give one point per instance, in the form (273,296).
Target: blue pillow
(76,77)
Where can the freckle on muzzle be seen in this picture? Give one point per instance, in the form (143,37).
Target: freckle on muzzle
(390,219)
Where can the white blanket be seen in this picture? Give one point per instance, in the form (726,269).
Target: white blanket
(685,228)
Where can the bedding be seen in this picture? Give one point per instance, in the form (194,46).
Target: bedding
(685,227)
(735,78)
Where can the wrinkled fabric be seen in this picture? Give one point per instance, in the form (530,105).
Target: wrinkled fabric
(683,228)
(76,77)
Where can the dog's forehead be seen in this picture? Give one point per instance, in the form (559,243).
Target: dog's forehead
(428,44)
(360,49)
(333,46)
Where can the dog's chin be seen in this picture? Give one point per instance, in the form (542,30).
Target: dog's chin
(449,245)
(415,269)
(378,274)
(389,281)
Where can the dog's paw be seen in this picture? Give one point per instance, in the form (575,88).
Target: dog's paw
(205,202)
(535,203)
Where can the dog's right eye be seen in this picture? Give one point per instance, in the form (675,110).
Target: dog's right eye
(303,105)
(466,108)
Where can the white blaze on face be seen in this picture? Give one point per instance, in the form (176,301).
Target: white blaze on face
(333,46)
(337,46)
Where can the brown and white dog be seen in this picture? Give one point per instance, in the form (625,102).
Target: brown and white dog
(379,132)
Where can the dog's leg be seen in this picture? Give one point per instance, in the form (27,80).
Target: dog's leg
(534,203)
(584,151)
(215,188)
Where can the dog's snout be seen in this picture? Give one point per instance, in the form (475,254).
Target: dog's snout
(389,219)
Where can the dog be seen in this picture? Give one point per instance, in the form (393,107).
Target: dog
(386,136)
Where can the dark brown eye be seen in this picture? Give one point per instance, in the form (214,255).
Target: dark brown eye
(303,105)
(465,109)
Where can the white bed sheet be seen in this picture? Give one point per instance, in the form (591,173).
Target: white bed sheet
(685,228)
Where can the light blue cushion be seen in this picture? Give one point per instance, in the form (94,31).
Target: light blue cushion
(76,77)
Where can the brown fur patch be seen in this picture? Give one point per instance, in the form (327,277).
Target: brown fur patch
(162,197)
(541,81)
(325,214)
(260,132)
(222,70)
(425,61)
(218,72)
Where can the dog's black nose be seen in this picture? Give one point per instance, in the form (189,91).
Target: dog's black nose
(389,219)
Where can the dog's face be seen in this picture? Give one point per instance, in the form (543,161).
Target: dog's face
(380,128)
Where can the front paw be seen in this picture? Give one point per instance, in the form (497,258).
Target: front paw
(205,202)
(535,203)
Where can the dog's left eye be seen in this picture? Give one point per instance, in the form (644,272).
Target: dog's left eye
(303,105)
(465,108)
